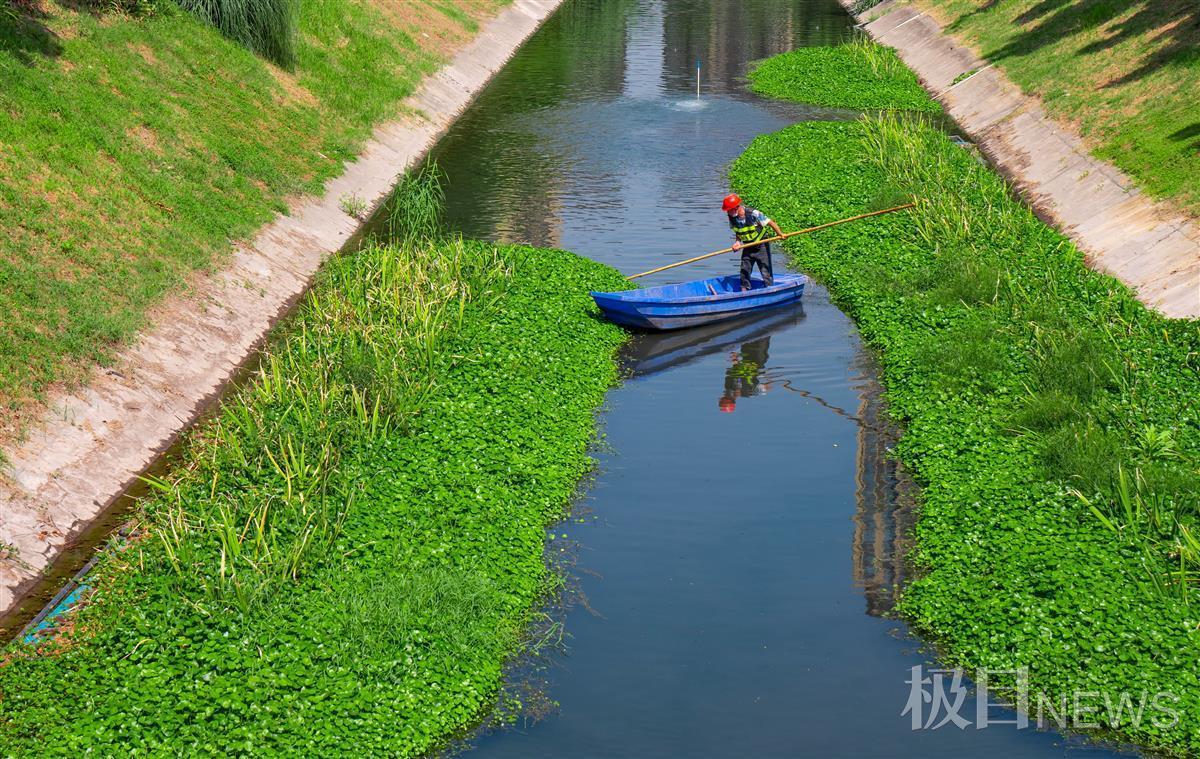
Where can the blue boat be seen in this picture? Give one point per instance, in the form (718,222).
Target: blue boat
(704,301)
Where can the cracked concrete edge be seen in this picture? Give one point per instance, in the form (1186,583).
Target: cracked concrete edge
(94,443)
(1148,245)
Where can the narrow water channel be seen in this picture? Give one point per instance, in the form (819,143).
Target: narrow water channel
(738,548)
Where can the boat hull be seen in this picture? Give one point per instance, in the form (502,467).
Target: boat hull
(692,304)
(654,352)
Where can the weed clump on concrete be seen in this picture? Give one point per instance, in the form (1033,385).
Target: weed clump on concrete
(353,204)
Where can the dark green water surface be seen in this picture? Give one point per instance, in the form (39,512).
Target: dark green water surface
(732,569)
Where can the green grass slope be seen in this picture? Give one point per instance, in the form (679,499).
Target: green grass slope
(133,151)
(1126,73)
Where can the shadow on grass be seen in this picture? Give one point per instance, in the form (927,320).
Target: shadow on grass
(23,35)
(1177,43)
(1187,133)
(961,20)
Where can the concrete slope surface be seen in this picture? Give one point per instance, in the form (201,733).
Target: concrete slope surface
(1146,244)
(94,443)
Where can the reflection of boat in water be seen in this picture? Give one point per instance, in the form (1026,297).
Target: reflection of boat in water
(652,353)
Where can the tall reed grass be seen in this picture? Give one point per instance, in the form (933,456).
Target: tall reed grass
(416,205)
(911,150)
(268,27)
(1150,521)
(879,59)
(357,364)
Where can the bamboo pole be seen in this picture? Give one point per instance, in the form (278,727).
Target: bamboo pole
(774,239)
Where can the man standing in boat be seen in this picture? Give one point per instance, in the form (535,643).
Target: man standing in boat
(749,226)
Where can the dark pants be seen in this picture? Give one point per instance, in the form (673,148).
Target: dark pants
(761,255)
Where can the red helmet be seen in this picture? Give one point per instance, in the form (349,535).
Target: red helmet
(727,405)
(730,203)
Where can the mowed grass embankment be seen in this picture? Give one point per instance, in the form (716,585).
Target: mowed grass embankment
(345,556)
(1126,73)
(134,150)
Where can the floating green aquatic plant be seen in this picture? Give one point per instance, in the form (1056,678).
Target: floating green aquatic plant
(860,74)
(1051,419)
(347,553)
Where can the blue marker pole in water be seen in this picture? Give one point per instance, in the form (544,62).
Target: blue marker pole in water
(697,78)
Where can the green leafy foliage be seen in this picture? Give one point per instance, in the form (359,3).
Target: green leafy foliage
(1051,419)
(347,553)
(859,74)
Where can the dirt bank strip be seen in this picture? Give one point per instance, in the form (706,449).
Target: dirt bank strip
(1145,244)
(94,443)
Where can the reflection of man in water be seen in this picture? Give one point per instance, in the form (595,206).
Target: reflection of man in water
(743,377)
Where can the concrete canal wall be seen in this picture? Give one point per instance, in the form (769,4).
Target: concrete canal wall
(1146,244)
(94,443)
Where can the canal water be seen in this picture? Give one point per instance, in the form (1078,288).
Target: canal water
(733,562)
